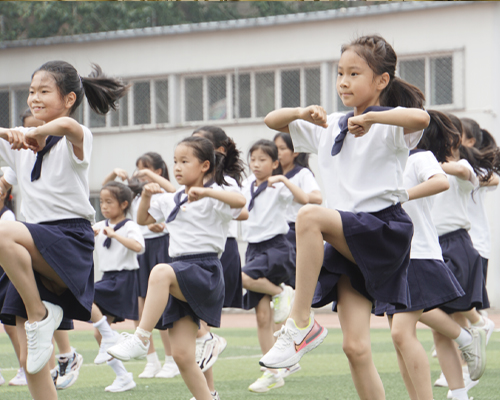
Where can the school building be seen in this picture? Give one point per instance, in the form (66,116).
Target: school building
(233,73)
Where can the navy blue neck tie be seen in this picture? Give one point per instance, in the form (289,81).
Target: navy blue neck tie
(107,242)
(259,190)
(50,142)
(415,151)
(339,140)
(178,204)
(294,171)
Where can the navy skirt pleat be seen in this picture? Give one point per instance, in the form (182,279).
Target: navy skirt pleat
(231,267)
(292,238)
(466,265)
(273,259)
(431,283)
(156,252)
(201,282)
(380,244)
(67,246)
(117,293)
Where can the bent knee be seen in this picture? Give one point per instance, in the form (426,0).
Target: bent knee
(356,351)
(161,272)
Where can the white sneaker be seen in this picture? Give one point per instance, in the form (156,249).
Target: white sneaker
(441,381)
(103,355)
(282,304)
(39,335)
(215,396)
(488,328)
(151,369)
(286,372)
(207,352)
(129,347)
(266,382)
(222,343)
(69,369)
(293,343)
(122,383)
(169,370)
(469,384)
(2,379)
(475,353)
(19,379)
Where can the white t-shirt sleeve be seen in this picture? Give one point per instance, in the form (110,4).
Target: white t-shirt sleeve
(470,184)
(87,149)
(8,216)
(158,208)
(134,232)
(285,195)
(6,153)
(307,181)
(428,167)
(10,176)
(408,141)
(306,136)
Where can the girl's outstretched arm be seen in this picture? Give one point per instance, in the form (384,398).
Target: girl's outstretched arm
(435,184)
(121,173)
(298,194)
(233,199)
(456,169)
(279,119)
(315,197)
(411,119)
(143,215)
(160,180)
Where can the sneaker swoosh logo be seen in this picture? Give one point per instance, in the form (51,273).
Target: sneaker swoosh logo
(313,334)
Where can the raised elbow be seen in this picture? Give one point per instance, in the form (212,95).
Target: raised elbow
(423,119)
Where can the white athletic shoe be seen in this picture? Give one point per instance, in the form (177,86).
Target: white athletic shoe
(39,335)
(19,379)
(207,352)
(69,369)
(222,343)
(293,343)
(2,379)
(215,396)
(475,353)
(103,355)
(122,383)
(488,328)
(282,304)
(286,372)
(129,347)
(151,369)
(469,384)
(266,382)
(441,381)
(169,370)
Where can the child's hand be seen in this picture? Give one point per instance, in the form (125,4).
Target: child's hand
(109,232)
(121,173)
(274,179)
(15,138)
(316,115)
(151,189)
(143,173)
(96,231)
(197,193)
(35,142)
(157,228)
(358,125)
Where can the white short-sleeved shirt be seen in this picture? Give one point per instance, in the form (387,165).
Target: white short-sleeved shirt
(267,217)
(200,226)
(117,257)
(232,186)
(8,216)
(146,233)
(367,174)
(305,180)
(449,212)
(62,191)
(480,228)
(9,175)
(425,243)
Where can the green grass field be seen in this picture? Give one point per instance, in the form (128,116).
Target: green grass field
(324,375)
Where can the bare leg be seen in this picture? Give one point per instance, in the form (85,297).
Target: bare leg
(209,374)
(19,257)
(260,285)
(314,224)
(472,315)
(136,323)
(62,340)
(265,324)
(40,384)
(441,322)
(449,360)
(12,332)
(183,340)
(404,336)
(354,312)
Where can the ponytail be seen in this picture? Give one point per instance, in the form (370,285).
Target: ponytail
(102,92)
(440,137)
(399,93)
(488,141)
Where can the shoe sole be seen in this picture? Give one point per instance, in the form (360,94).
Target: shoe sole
(268,388)
(124,389)
(290,362)
(291,372)
(166,377)
(479,374)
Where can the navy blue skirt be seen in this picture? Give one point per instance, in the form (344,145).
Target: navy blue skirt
(67,246)
(156,252)
(201,282)
(292,238)
(117,293)
(231,267)
(273,259)
(431,283)
(465,263)
(380,244)
(485,276)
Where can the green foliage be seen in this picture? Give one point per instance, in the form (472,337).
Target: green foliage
(26,19)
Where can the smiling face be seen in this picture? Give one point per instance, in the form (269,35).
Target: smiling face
(262,165)
(357,85)
(188,169)
(45,100)
(110,206)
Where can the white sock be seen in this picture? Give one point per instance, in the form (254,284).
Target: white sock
(480,323)
(118,367)
(104,328)
(464,338)
(153,358)
(205,337)
(459,394)
(169,359)
(66,355)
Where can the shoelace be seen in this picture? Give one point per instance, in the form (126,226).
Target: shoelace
(31,335)
(129,340)
(285,338)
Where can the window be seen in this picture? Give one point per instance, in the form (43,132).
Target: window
(217,97)
(194,99)
(96,120)
(312,78)
(142,103)
(21,104)
(290,88)
(4,109)
(441,81)
(95,201)
(161,101)
(119,117)
(242,103)
(264,93)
